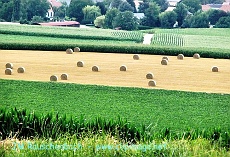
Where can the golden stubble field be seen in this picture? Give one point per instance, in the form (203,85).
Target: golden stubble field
(186,75)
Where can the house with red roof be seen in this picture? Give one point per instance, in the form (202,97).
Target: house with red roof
(50,12)
(225,6)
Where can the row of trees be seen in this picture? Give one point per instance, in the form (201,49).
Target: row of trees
(186,14)
(119,13)
(15,10)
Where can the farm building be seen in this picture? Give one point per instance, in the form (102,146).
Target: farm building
(64,24)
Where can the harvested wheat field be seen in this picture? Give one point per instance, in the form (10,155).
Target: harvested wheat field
(188,74)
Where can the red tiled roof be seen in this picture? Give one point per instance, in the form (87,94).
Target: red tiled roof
(66,23)
(225,8)
(55,3)
(205,7)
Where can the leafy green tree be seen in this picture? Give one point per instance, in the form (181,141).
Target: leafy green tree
(60,12)
(23,10)
(6,10)
(214,15)
(125,6)
(36,8)
(126,21)
(193,6)
(151,15)
(75,9)
(162,3)
(102,7)
(107,3)
(199,20)
(99,22)
(109,17)
(131,2)
(36,19)
(91,12)
(115,3)
(223,22)
(143,6)
(16,10)
(182,12)
(168,19)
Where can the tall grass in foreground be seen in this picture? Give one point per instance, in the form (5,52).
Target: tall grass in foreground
(107,145)
(18,123)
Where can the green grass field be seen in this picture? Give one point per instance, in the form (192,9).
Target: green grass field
(7,38)
(211,38)
(71,32)
(158,108)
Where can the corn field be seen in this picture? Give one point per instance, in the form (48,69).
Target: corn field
(168,39)
(132,35)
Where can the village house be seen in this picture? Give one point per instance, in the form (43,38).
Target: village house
(50,12)
(225,6)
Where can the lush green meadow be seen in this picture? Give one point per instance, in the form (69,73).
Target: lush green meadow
(72,33)
(188,123)
(158,109)
(43,40)
(211,38)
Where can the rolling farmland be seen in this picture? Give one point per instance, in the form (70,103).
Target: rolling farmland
(189,101)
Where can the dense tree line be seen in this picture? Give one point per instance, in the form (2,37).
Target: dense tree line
(14,10)
(119,13)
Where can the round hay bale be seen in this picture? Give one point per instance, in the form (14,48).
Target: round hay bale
(164,62)
(149,76)
(180,57)
(165,57)
(136,57)
(64,76)
(53,78)
(69,51)
(8,71)
(80,63)
(152,83)
(9,65)
(21,70)
(95,68)
(123,68)
(76,49)
(215,69)
(196,56)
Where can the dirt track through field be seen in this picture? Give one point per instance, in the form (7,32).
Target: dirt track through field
(187,75)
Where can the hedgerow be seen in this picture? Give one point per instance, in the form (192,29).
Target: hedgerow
(133,49)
